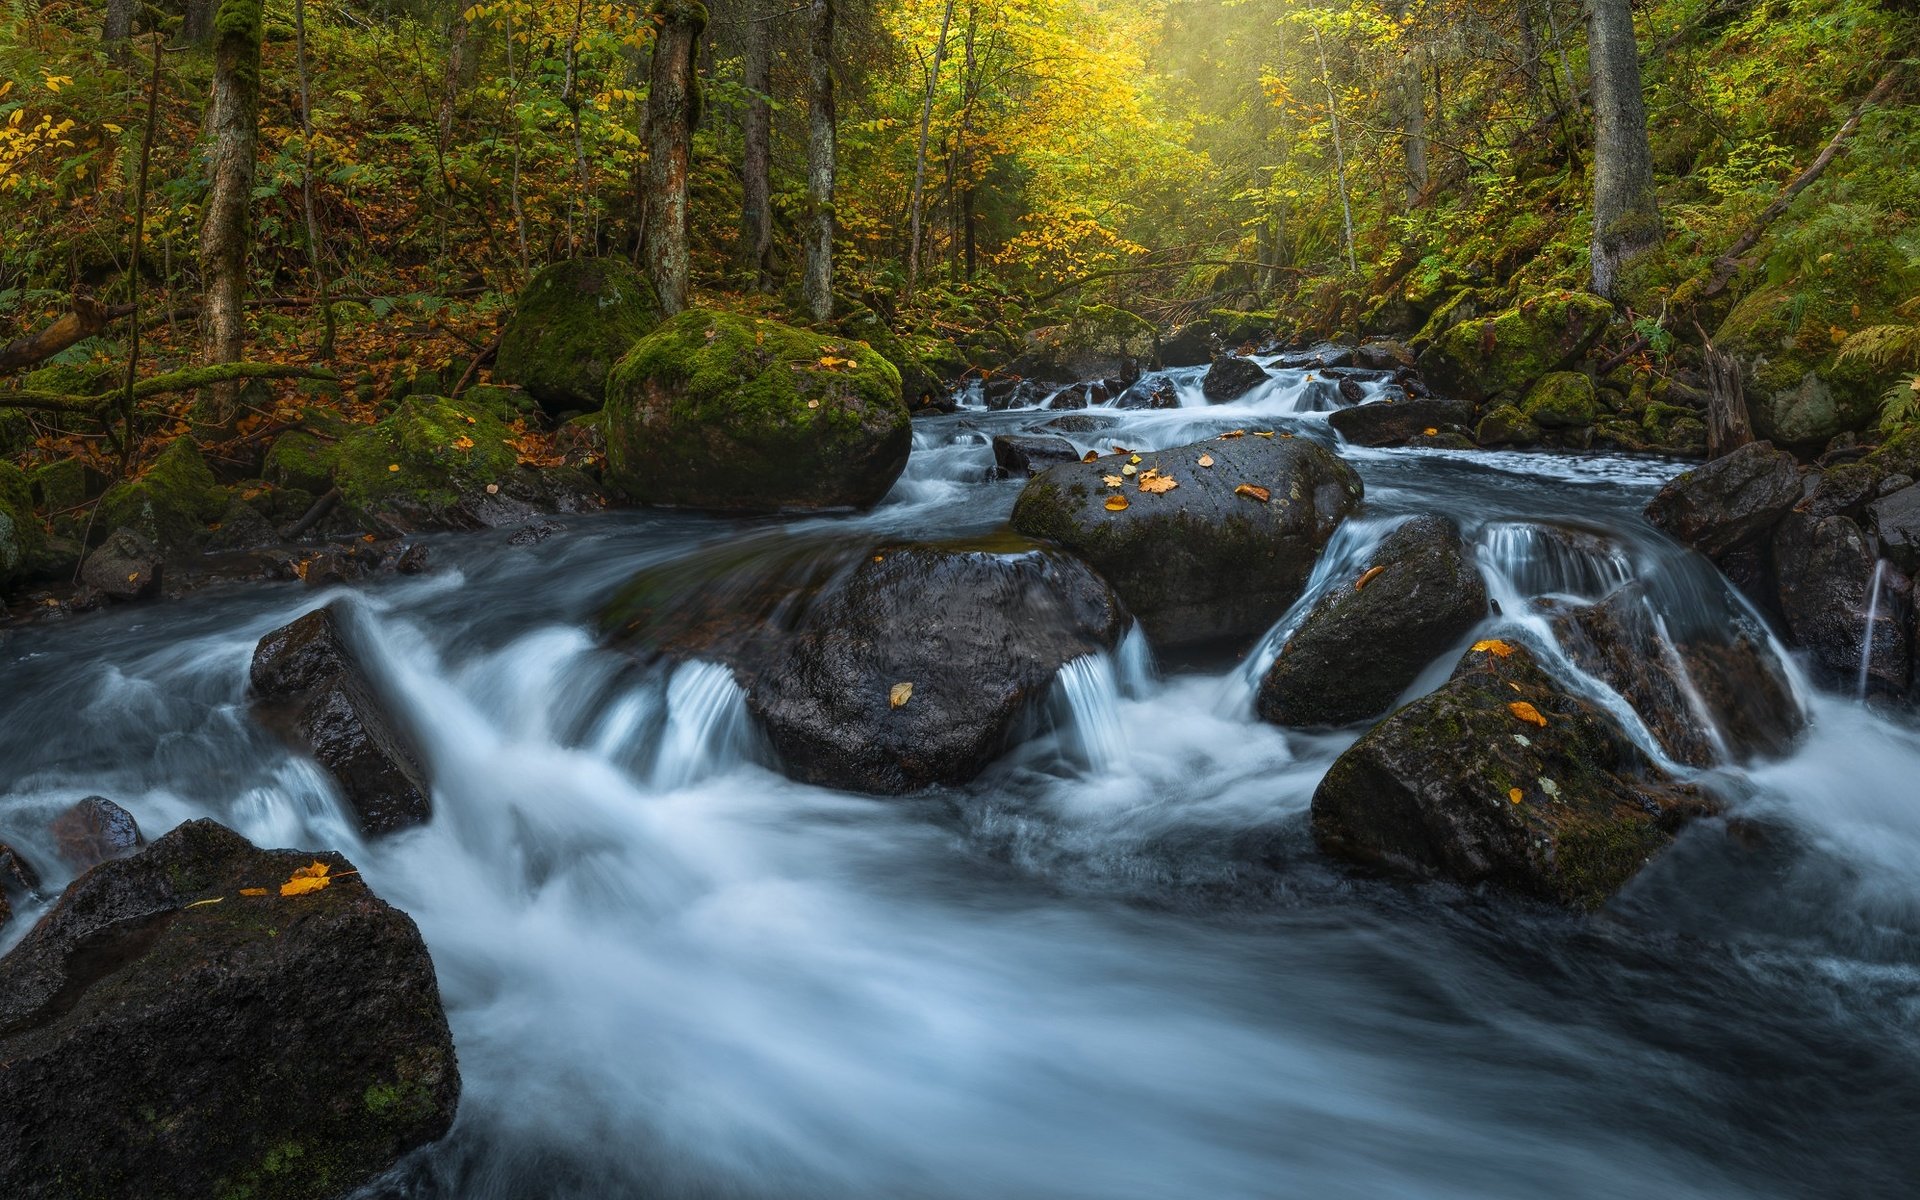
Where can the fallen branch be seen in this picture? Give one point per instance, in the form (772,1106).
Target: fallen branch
(318,513)
(473,368)
(185,380)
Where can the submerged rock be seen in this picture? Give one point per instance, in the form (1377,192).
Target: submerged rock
(1502,778)
(1365,643)
(309,684)
(573,321)
(1231,377)
(1215,560)
(93,831)
(262,1046)
(1397,422)
(902,667)
(719,411)
(1025,454)
(1731,501)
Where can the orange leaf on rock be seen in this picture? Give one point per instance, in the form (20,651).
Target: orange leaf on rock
(306,879)
(1116,503)
(1253,493)
(1090,456)
(1494,646)
(1515,795)
(1154,483)
(1429,431)
(1527,712)
(1372,573)
(1206,460)
(1113,480)
(253,891)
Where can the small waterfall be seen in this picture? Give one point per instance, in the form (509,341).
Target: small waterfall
(1341,562)
(708,727)
(1524,559)
(1873,617)
(1089,691)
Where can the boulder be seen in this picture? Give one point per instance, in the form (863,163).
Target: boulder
(308,684)
(1231,377)
(1502,778)
(1397,422)
(1503,355)
(21,537)
(266,1046)
(1896,519)
(1714,694)
(733,413)
(1844,490)
(1827,588)
(425,466)
(1730,502)
(18,881)
(171,504)
(1025,454)
(1215,560)
(884,669)
(1190,345)
(1506,425)
(1562,400)
(1383,354)
(1100,342)
(93,831)
(1081,423)
(574,320)
(125,567)
(1365,643)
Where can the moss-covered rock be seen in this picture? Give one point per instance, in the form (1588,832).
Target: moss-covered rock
(928,365)
(1506,425)
(413,469)
(735,413)
(1562,400)
(574,321)
(1673,429)
(170,505)
(1503,355)
(298,459)
(1798,391)
(21,538)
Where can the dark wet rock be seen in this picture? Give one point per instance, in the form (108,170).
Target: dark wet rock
(1364,644)
(1326,354)
(1201,565)
(1080,423)
(1729,502)
(95,830)
(1024,454)
(734,413)
(1459,785)
(308,683)
(241,527)
(1896,519)
(1399,422)
(1191,345)
(353,562)
(1843,490)
(1383,354)
(263,1046)
(125,567)
(19,882)
(1350,390)
(1072,397)
(1825,574)
(1231,377)
(572,322)
(534,534)
(1714,695)
(821,645)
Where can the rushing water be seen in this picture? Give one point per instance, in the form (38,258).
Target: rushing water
(672,972)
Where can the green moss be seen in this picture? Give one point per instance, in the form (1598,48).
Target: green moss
(1595,855)
(575,320)
(420,461)
(718,410)
(1506,425)
(1899,454)
(1562,400)
(1505,354)
(60,485)
(298,459)
(171,505)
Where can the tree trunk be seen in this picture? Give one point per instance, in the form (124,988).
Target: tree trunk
(1339,154)
(315,252)
(196,28)
(920,154)
(818,284)
(1413,98)
(756,131)
(971,92)
(118,26)
(1529,47)
(1728,424)
(1626,218)
(673,109)
(233,123)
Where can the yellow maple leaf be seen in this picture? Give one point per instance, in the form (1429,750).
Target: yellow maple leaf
(1493,646)
(1527,712)
(1154,483)
(1113,480)
(901,693)
(306,879)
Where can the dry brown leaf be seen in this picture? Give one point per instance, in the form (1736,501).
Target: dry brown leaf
(1527,712)
(1253,493)
(1372,573)
(1206,460)
(1231,433)
(1090,456)
(1263,433)
(1153,483)
(1113,480)
(901,693)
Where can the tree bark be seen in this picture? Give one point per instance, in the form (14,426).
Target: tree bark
(817,286)
(920,154)
(315,257)
(1339,154)
(1728,424)
(673,109)
(756,161)
(118,26)
(971,92)
(196,27)
(1626,218)
(233,121)
(1413,98)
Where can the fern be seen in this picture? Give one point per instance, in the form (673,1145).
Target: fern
(1901,405)
(1884,346)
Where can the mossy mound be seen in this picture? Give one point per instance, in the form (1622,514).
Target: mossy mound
(928,365)
(1503,355)
(1506,425)
(1799,392)
(21,539)
(170,505)
(413,469)
(574,321)
(298,459)
(1562,400)
(734,413)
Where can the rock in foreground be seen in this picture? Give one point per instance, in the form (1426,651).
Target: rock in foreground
(1213,561)
(919,665)
(263,1046)
(741,414)
(1502,777)
(1729,502)
(309,684)
(1367,640)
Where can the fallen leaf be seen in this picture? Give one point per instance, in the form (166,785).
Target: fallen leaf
(199,903)
(1263,433)
(879,558)
(1116,503)
(463,442)
(1429,431)
(901,693)
(253,891)
(1253,493)
(1155,484)
(1119,449)
(1090,456)
(306,879)
(1515,795)
(813,404)
(1493,646)
(1135,460)
(1527,712)
(1128,469)
(1371,574)
(1206,460)
(1113,480)
(393,466)
(493,489)
(1231,433)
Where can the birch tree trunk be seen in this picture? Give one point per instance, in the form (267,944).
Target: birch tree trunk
(1626,219)
(1339,153)
(817,286)
(673,109)
(920,154)
(233,123)
(756,133)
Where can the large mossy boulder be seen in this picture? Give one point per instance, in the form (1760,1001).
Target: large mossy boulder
(1213,560)
(882,669)
(1366,641)
(21,537)
(734,413)
(308,683)
(171,504)
(421,467)
(573,322)
(1100,342)
(1502,356)
(168,1035)
(1503,778)
(1562,400)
